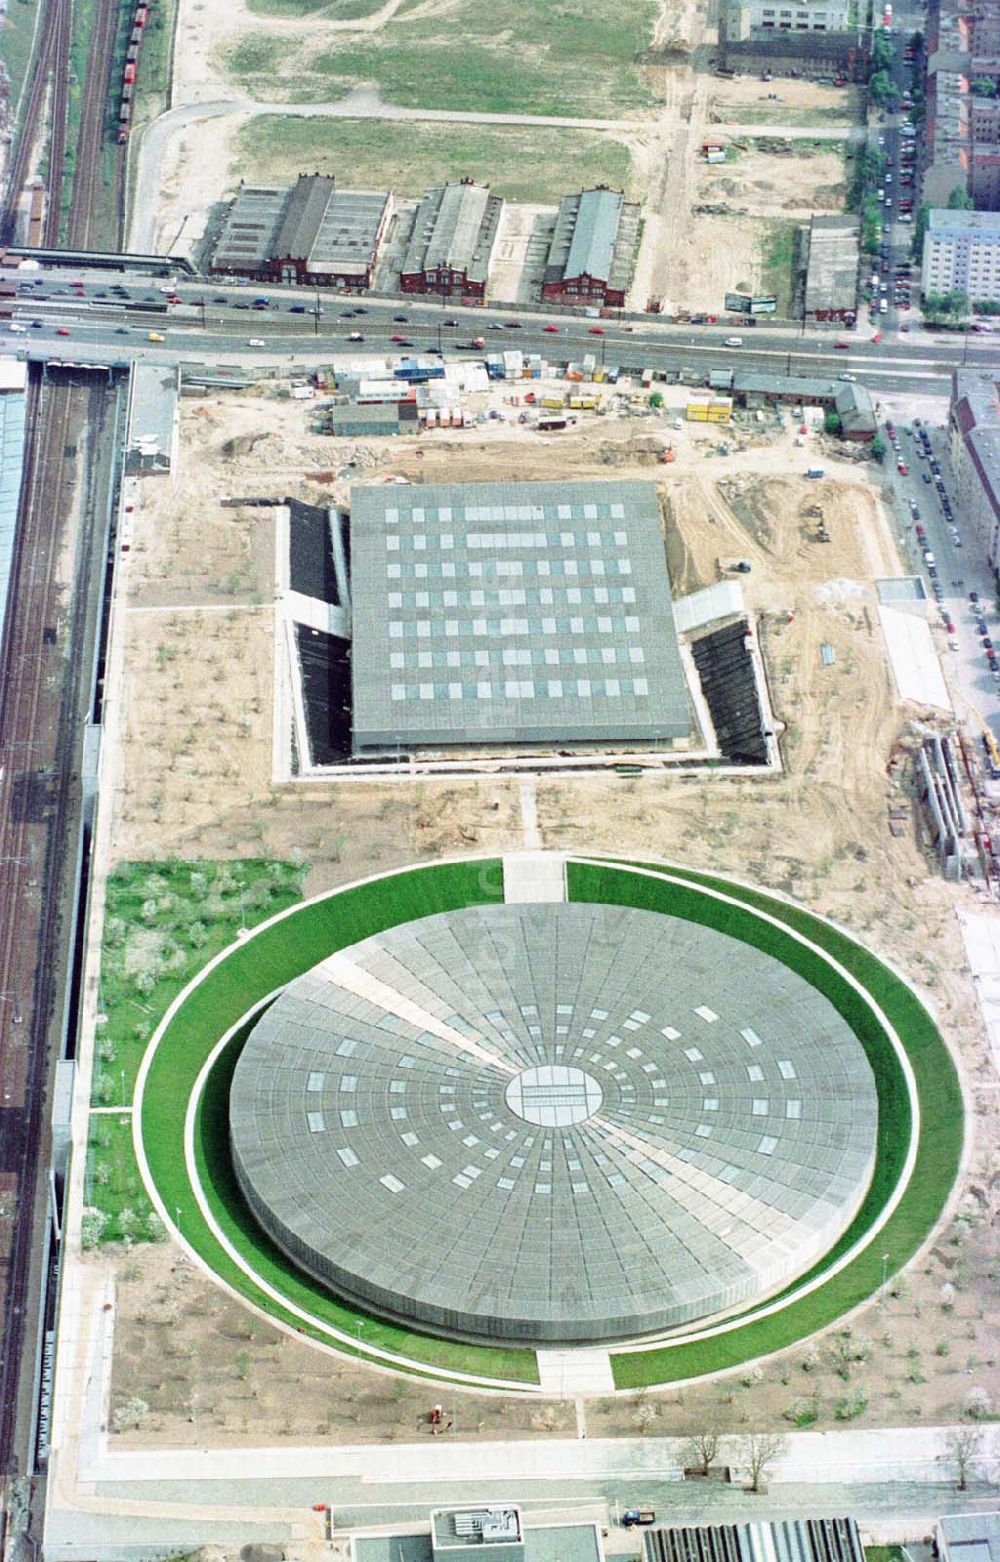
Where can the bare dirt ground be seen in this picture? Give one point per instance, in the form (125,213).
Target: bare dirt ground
(740,100)
(197,768)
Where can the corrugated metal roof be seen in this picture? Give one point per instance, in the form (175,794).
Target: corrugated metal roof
(304,213)
(250,228)
(801,1540)
(455,227)
(593,245)
(596,235)
(348,232)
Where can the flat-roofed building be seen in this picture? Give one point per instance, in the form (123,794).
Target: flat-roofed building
(969,1537)
(832,269)
(974,433)
(314,234)
(962,253)
(451,247)
(593,249)
(503,614)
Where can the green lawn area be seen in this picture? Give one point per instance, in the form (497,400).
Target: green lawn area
(779,254)
(114,1187)
(15,42)
(523,164)
(249,973)
(514,56)
(940,1144)
(163,921)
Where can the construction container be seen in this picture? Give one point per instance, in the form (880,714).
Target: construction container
(710,409)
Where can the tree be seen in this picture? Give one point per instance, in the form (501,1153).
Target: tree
(656,400)
(960,200)
(881,89)
(963,1445)
(984,87)
(831,423)
(701,1449)
(758,1451)
(878,447)
(883,54)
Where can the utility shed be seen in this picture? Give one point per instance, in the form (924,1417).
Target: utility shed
(505,614)
(832,269)
(799,1540)
(247,240)
(454,234)
(593,249)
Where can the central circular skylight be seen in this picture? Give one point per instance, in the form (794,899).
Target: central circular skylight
(553,1122)
(554,1096)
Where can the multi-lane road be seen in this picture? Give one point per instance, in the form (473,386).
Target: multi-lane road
(54,319)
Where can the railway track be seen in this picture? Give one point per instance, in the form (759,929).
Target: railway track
(90,213)
(49,74)
(30,823)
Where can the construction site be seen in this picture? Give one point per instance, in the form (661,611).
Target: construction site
(844,811)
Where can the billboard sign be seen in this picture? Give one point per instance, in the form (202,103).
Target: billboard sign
(738,303)
(763,305)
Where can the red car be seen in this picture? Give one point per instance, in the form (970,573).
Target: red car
(902,469)
(844,347)
(596,330)
(62,330)
(552,330)
(877,337)
(398,338)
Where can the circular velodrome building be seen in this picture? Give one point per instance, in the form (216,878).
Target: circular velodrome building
(559,1123)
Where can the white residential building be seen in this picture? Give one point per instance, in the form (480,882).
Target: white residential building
(962,251)
(746,17)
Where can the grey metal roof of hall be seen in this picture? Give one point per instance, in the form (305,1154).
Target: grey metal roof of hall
(593,245)
(251,227)
(552,1122)
(347,231)
(509,613)
(448,230)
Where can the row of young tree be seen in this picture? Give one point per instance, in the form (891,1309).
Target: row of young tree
(756,1452)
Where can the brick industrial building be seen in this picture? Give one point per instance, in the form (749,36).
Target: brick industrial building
(593,249)
(454,235)
(314,234)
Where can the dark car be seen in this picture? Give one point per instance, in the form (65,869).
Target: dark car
(973,596)
(927,477)
(240,304)
(220,298)
(359,311)
(36,325)
(982,626)
(400,319)
(449,323)
(512,325)
(296,309)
